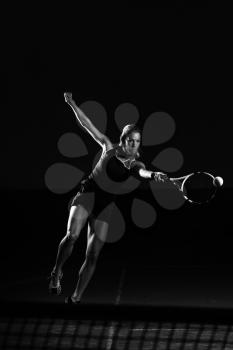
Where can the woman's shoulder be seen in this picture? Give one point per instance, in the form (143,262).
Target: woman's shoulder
(108,152)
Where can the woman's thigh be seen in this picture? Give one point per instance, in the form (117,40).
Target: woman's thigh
(77,218)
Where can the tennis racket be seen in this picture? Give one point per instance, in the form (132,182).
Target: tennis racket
(197,187)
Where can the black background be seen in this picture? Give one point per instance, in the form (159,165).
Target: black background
(176,59)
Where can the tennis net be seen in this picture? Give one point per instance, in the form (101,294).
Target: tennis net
(34,326)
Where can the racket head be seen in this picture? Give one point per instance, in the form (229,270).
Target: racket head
(198,187)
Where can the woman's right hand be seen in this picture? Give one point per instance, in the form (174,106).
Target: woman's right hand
(68,97)
(161,177)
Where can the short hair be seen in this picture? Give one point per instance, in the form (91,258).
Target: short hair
(127,130)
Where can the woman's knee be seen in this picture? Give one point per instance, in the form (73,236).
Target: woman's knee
(93,250)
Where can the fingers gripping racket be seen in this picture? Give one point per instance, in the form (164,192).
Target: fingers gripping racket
(198,187)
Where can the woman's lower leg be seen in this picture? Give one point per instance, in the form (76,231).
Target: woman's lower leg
(85,274)
(64,251)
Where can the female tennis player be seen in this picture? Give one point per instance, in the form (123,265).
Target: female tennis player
(116,165)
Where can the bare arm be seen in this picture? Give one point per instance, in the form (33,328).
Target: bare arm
(85,122)
(156,175)
(141,170)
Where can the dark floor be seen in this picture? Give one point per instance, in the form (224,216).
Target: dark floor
(193,286)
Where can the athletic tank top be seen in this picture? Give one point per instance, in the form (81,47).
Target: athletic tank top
(112,176)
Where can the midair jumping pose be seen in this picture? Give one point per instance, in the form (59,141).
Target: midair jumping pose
(116,164)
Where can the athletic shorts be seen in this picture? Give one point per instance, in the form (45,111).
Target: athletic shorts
(97,203)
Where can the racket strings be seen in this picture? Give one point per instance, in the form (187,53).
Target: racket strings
(199,188)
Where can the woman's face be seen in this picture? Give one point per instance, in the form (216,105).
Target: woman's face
(132,143)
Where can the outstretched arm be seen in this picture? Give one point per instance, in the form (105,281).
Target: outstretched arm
(140,168)
(86,123)
(156,175)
